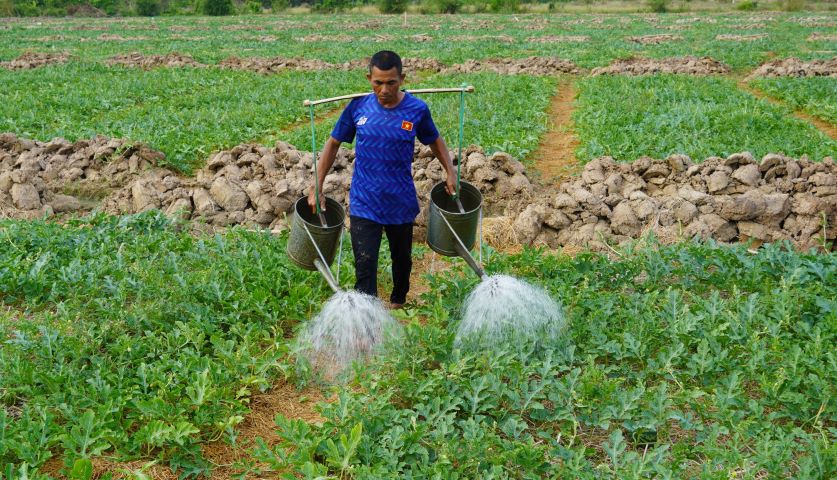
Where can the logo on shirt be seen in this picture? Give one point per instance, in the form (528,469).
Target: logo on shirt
(361,121)
(405,125)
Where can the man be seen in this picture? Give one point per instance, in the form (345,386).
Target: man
(383,195)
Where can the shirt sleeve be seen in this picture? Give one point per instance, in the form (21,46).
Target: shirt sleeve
(426,130)
(344,129)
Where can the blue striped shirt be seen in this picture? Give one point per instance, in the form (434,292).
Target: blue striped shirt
(382,184)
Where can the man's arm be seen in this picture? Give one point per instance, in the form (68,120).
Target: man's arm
(440,150)
(323,166)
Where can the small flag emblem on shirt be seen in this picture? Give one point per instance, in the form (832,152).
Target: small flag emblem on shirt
(405,125)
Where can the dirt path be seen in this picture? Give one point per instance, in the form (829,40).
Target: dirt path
(283,398)
(555,158)
(825,127)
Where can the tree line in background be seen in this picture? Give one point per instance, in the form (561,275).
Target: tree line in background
(28,8)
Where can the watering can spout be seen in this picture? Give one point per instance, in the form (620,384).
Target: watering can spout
(466,255)
(326,273)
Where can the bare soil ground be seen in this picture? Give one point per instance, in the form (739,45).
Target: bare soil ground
(688,65)
(283,399)
(34,60)
(555,158)
(794,67)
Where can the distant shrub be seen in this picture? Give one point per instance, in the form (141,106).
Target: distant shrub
(217,7)
(279,5)
(447,6)
(328,6)
(392,6)
(7,8)
(658,6)
(505,6)
(747,5)
(148,8)
(252,6)
(793,5)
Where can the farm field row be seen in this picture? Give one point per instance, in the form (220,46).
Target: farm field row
(131,340)
(815,96)
(741,41)
(628,117)
(187,113)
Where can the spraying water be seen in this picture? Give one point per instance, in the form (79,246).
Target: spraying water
(503,310)
(351,326)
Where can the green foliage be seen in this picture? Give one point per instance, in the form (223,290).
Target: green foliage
(252,6)
(217,7)
(628,117)
(148,8)
(135,339)
(184,112)
(392,6)
(445,6)
(684,361)
(793,5)
(658,6)
(279,5)
(504,6)
(747,5)
(814,95)
(7,8)
(330,6)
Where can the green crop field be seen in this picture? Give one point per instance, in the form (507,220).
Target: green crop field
(812,95)
(627,117)
(128,339)
(450,39)
(143,346)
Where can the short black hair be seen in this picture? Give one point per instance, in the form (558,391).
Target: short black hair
(385,60)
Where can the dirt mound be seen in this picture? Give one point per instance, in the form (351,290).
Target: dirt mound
(732,199)
(239,28)
(560,39)
(740,38)
(687,65)
(42,178)
(91,28)
(822,37)
(34,60)
(794,67)
(749,26)
(325,38)
(139,60)
(274,65)
(655,39)
(277,64)
(469,24)
(109,37)
(512,66)
(816,22)
(177,36)
(728,199)
(256,185)
(482,38)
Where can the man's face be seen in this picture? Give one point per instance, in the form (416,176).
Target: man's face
(385,84)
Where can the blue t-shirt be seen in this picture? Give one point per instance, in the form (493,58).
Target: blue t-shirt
(382,184)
